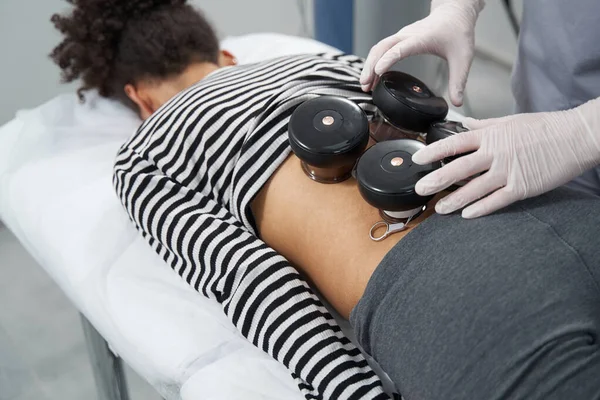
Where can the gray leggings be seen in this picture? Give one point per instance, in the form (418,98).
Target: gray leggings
(501,307)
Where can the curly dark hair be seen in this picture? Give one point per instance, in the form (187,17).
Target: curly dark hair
(110,43)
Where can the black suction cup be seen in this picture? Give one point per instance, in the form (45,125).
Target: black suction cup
(387,176)
(328,134)
(407,102)
(442,130)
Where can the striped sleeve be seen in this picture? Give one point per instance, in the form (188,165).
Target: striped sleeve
(261,293)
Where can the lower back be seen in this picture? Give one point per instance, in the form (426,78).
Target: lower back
(323,230)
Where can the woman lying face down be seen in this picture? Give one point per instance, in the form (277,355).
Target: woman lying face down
(502,307)
(169,48)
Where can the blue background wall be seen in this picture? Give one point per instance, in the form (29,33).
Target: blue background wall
(334,23)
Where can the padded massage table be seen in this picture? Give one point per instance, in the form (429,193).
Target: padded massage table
(56,196)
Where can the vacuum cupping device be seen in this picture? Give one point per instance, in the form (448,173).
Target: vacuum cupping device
(330,135)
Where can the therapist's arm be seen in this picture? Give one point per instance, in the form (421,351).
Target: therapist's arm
(448,32)
(524,155)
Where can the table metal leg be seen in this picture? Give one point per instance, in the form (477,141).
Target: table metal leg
(108,369)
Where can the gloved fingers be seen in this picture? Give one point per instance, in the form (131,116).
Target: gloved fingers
(374,83)
(472,191)
(473,124)
(401,50)
(457,144)
(455,171)
(367,75)
(495,201)
(459,64)
(371,86)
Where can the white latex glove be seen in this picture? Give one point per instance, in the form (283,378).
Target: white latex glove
(447,32)
(524,155)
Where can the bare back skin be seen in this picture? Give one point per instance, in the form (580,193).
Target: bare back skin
(323,230)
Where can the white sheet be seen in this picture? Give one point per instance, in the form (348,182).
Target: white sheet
(56,196)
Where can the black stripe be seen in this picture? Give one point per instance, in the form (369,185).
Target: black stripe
(328,359)
(271,269)
(232,273)
(355,378)
(277,302)
(123,157)
(360,393)
(227,260)
(260,298)
(287,314)
(145,180)
(217,248)
(162,223)
(134,174)
(304,360)
(177,231)
(303,339)
(260,171)
(296,324)
(157,191)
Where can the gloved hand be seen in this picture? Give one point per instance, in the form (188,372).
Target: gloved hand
(447,32)
(524,155)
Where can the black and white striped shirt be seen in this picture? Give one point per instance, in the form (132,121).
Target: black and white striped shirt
(187,179)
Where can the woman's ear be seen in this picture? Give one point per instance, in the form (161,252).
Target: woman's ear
(144,104)
(226,59)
